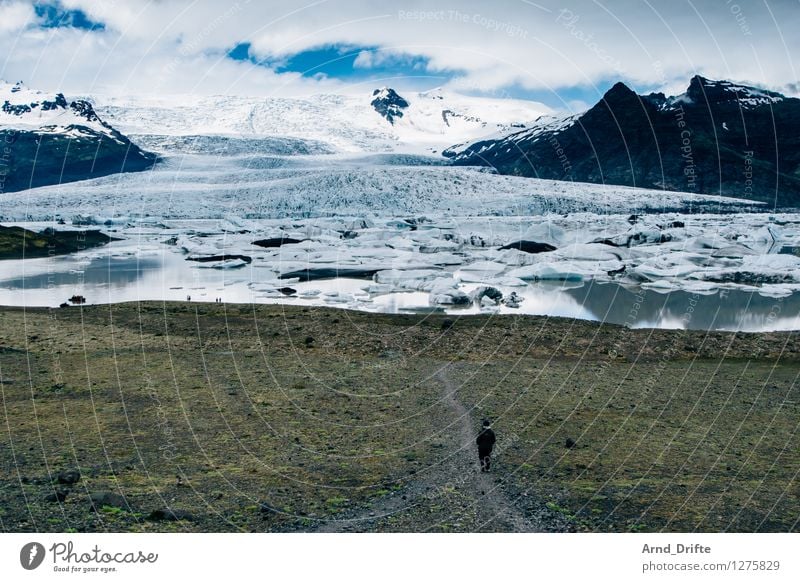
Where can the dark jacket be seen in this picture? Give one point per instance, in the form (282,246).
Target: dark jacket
(486,439)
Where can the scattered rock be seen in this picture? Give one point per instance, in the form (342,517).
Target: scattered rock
(77,299)
(529,246)
(107,499)
(287,291)
(633,218)
(309,341)
(570,443)
(68,477)
(447,323)
(169,514)
(59,495)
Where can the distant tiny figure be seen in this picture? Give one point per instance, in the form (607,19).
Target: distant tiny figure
(188,298)
(485,440)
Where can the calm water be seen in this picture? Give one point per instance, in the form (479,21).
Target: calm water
(120,273)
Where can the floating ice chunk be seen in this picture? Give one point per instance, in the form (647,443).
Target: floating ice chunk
(709,242)
(485,295)
(775,262)
(489,267)
(446,292)
(511,282)
(444,259)
(733,252)
(512,300)
(201,247)
(359,224)
(487,302)
(546,232)
(661,286)
(396,277)
(758,270)
(378,289)
(777,290)
(561,271)
(400,224)
(439,246)
(666,267)
(271,294)
(336,297)
(588,252)
(226,264)
(309,293)
(700,287)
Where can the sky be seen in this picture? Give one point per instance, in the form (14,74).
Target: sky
(563,53)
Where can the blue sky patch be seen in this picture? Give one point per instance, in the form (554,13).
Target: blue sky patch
(56,16)
(344,63)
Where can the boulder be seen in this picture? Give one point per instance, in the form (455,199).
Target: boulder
(57,496)
(69,477)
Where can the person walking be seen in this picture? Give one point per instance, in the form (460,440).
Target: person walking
(485,441)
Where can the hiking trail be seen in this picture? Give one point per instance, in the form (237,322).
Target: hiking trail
(453,494)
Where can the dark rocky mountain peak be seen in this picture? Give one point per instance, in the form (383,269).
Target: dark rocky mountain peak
(388,103)
(619,91)
(703,91)
(49,140)
(718,137)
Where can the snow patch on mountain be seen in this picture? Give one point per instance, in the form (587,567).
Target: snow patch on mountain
(25,109)
(417,122)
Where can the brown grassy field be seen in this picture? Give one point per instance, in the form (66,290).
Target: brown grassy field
(276,418)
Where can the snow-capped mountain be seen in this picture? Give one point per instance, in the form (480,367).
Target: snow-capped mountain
(702,90)
(26,109)
(716,138)
(50,140)
(381,121)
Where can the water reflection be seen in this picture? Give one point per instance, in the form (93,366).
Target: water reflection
(730,310)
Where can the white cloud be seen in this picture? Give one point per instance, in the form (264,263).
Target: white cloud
(365,60)
(14,16)
(180,45)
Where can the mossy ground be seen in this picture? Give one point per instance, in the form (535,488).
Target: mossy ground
(276,418)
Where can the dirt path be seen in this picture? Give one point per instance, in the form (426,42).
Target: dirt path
(453,495)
